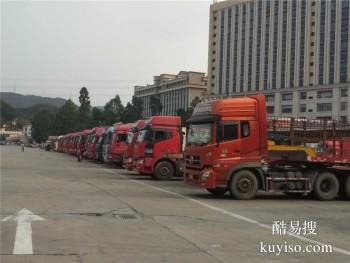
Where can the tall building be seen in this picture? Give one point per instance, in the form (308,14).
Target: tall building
(174,91)
(295,51)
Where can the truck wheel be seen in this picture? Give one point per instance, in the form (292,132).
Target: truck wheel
(326,186)
(218,191)
(163,171)
(345,188)
(243,185)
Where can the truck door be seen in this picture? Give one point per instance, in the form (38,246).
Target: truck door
(229,143)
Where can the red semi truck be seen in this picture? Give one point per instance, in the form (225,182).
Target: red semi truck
(117,143)
(227,150)
(82,142)
(93,138)
(130,142)
(158,147)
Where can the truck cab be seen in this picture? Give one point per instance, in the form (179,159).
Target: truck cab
(117,143)
(128,155)
(158,147)
(225,136)
(93,138)
(82,140)
(107,139)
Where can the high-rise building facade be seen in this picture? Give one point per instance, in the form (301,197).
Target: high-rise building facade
(174,91)
(297,52)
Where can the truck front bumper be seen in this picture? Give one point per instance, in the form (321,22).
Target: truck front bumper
(202,178)
(128,163)
(143,165)
(115,157)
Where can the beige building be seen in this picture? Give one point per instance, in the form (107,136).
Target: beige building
(296,51)
(174,91)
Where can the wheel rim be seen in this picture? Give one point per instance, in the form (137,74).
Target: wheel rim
(244,185)
(164,171)
(326,186)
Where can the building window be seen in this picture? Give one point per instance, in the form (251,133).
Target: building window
(324,94)
(302,108)
(343,106)
(250,52)
(344,45)
(270,98)
(303,95)
(235,54)
(270,109)
(243,28)
(284,44)
(287,96)
(292,44)
(302,42)
(275,44)
(324,118)
(267,46)
(228,52)
(344,119)
(322,42)
(332,41)
(287,108)
(344,93)
(324,107)
(258,45)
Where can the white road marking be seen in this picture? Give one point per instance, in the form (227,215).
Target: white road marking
(228,213)
(23,242)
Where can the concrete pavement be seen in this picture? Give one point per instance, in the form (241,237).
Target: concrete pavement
(97,213)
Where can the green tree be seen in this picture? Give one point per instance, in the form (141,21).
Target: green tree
(97,117)
(137,105)
(84,109)
(155,105)
(42,125)
(133,111)
(193,104)
(7,113)
(66,118)
(113,110)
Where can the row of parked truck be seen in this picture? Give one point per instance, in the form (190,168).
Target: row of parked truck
(231,146)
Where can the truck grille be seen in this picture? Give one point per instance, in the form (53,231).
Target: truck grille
(193,160)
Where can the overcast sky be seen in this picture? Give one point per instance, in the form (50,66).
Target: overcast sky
(54,48)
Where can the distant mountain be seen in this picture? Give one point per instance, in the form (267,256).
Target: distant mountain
(26,101)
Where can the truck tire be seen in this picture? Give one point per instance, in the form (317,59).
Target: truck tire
(326,186)
(164,171)
(218,191)
(243,185)
(345,188)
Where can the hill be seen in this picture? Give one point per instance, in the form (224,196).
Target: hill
(25,101)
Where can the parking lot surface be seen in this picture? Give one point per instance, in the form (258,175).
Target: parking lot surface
(92,212)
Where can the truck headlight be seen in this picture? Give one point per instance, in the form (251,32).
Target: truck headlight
(129,160)
(140,161)
(205,175)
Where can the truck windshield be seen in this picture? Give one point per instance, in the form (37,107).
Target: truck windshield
(199,134)
(129,137)
(145,135)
